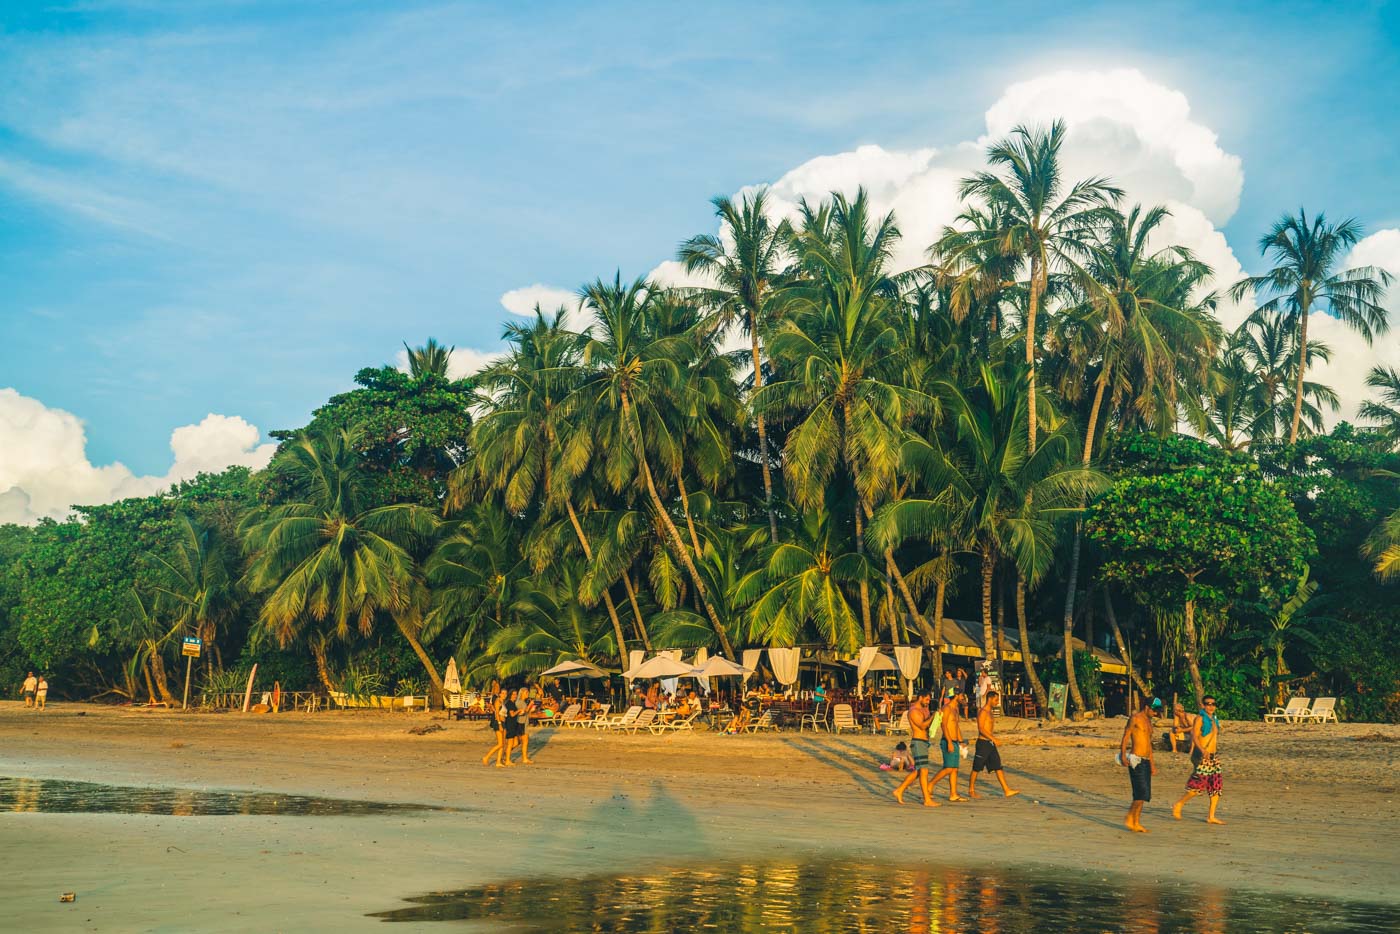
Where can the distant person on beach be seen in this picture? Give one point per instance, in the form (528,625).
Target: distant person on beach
(524,706)
(31,684)
(984,685)
(1205,777)
(988,754)
(1182,723)
(950,745)
(1135,753)
(920,718)
(496,708)
(41,694)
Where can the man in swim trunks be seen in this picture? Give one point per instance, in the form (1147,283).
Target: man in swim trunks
(1135,753)
(988,755)
(920,717)
(31,683)
(950,743)
(1205,777)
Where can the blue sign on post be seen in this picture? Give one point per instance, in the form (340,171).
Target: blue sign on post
(192,646)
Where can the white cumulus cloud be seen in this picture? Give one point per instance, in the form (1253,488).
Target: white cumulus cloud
(522,301)
(461,363)
(45,470)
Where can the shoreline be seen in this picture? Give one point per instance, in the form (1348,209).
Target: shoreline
(1310,812)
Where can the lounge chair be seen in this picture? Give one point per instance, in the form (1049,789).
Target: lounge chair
(590,719)
(677,725)
(608,723)
(816,719)
(764,722)
(898,726)
(1323,711)
(570,713)
(1296,711)
(843,718)
(643,721)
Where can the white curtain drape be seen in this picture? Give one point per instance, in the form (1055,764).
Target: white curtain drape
(784,663)
(863,661)
(634,658)
(909,658)
(751,657)
(701,656)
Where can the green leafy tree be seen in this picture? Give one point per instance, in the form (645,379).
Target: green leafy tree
(1219,539)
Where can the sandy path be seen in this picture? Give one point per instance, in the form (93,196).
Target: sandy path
(1310,811)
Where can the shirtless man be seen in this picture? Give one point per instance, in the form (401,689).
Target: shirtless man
(1205,777)
(31,684)
(988,755)
(920,717)
(1181,726)
(949,744)
(1135,752)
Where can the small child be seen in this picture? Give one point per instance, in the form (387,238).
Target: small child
(901,761)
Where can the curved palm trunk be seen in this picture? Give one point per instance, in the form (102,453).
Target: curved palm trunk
(925,631)
(674,533)
(989,646)
(418,650)
(158,670)
(940,592)
(763,436)
(323,671)
(150,685)
(641,626)
(1036,687)
(1193,653)
(685,510)
(1122,643)
(1076,549)
(607,597)
(1298,381)
(864,586)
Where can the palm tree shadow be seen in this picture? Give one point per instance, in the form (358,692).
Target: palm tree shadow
(843,763)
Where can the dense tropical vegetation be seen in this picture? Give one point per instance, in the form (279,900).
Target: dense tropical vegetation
(813,448)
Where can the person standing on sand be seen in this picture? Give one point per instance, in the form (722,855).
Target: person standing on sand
(1135,752)
(1205,777)
(31,684)
(41,694)
(526,706)
(498,724)
(950,745)
(920,718)
(988,755)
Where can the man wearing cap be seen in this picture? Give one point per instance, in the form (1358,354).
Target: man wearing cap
(1135,753)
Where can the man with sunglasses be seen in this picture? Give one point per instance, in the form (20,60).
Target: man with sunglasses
(1205,777)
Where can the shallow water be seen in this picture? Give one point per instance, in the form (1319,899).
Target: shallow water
(54,796)
(843,895)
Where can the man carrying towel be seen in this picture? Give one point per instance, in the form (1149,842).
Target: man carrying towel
(1135,753)
(920,718)
(1205,777)
(950,743)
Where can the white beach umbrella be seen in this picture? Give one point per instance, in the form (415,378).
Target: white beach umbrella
(721,667)
(661,666)
(574,669)
(451,680)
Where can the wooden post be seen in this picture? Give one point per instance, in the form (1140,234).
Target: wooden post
(248,694)
(185,703)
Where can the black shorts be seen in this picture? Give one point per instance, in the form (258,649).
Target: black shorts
(988,757)
(1140,776)
(513,728)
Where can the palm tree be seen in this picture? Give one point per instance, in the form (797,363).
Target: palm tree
(548,626)
(1384,414)
(1304,277)
(1038,221)
(631,379)
(193,585)
(1266,344)
(429,360)
(844,363)
(746,262)
(325,559)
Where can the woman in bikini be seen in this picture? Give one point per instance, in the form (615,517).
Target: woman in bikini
(497,705)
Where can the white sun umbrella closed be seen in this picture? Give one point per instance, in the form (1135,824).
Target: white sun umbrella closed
(451,680)
(662,666)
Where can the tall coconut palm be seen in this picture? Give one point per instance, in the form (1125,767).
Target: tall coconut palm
(1384,413)
(747,264)
(631,381)
(323,559)
(431,359)
(1305,278)
(1039,221)
(843,361)
(1265,342)
(193,584)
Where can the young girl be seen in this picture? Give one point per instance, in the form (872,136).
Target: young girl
(899,762)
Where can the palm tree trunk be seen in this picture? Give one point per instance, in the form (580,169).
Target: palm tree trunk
(864,586)
(674,533)
(323,671)
(146,676)
(763,435)
(1032,307)
(1001,630)
(1298,380)
(689,519)
(607,597)
(930,644)
(1076,549)
(158,670)
(1093,425)
(1036,687)
(1193,652)
(417,647)
(940,592)
(636,610)
(1122,644)
(989,648)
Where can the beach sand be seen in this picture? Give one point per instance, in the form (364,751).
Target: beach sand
(1310,811)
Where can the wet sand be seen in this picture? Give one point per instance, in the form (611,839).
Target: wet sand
(1310,811)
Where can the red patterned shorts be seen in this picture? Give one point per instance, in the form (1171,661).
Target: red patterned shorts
(1206,778)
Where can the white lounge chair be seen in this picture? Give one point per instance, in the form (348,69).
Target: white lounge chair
(677,725)
(613,722)
(599,712)
(1296,711)
(843,718)
(1324,710)
(764,722)
(643,721)
(898,726)
(570,713)
(816,719)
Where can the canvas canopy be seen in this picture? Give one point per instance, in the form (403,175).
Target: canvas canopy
(575,669)
(662,666)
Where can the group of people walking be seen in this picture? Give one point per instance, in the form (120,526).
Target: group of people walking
(946,724)
(510,721)
(36,691)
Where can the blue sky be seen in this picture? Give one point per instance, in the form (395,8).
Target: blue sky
(231,206)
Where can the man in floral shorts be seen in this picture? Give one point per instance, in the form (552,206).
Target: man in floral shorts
(1205,777)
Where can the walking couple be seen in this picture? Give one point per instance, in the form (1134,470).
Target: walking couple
(510,719)
(1135,753)
(924,723)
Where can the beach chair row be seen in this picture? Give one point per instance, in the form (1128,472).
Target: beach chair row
(634,720)
(1299,710)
